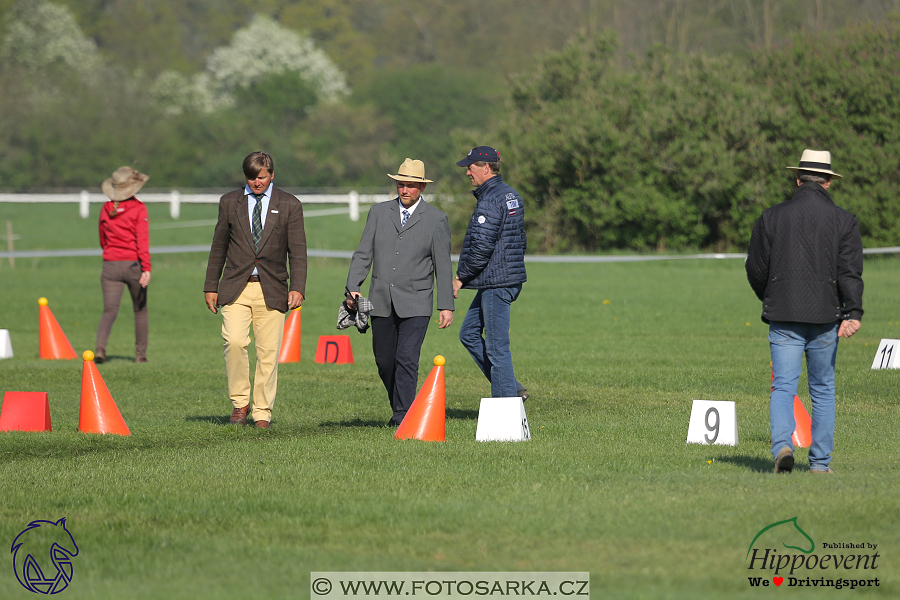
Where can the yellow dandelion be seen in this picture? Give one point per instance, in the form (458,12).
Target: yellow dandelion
(606,302)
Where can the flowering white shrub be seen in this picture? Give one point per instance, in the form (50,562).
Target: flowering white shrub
(261,49)
(177,92)
(39,34)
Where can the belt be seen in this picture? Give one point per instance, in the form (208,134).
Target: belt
(254,278)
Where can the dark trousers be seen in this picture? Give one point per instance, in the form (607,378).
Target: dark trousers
(397,343)
(116,276)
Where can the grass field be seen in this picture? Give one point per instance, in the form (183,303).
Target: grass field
(613,354)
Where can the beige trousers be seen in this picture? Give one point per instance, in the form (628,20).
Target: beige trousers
(268,329)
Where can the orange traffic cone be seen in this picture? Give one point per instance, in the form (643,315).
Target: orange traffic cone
(99,413)
(290,343)
(802,436)
(426,418)
(54,343)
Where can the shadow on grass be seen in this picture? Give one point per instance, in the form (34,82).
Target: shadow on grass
(463,414)
(754,463)
(212,419)
(354,423)
(289,429)
(117,358)
(452,413)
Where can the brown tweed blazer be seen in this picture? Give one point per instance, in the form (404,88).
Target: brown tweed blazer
(282,248)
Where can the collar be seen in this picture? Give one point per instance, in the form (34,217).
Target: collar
(487,185)
(115,208)
(810,187)
(411,209)
(267,193)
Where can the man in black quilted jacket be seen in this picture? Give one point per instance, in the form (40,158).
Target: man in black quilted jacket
(805,263)
(492,261)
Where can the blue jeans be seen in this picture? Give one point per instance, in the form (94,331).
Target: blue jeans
(788,342)
(489,313)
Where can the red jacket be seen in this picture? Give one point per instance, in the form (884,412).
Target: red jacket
(124,232)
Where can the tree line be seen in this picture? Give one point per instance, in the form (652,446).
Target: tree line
(684,152)
(658,125)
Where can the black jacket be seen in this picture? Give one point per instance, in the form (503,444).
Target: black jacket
(805,260)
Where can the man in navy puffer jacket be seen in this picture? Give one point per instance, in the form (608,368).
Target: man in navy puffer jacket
(492,261)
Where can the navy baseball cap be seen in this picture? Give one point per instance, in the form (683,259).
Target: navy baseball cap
(480,154)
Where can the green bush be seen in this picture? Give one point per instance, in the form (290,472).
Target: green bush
(685,152)
(844,90)
(673,154)
(426,103)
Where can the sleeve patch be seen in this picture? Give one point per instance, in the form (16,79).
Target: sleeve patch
(511,204)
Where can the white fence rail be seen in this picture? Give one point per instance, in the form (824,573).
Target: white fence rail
(175,199)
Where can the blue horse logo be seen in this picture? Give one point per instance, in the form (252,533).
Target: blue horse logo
(30,551)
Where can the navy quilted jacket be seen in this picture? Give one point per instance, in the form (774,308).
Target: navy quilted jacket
(805,260)
(493,252)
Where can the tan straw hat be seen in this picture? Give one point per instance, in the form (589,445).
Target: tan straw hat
(818,161)
(411,170)
(123,184)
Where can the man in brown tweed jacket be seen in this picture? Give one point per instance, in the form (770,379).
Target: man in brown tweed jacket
(259,237)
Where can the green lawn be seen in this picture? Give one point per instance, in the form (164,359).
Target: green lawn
(191,507)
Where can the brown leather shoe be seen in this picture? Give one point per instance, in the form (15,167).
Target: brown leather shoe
(262,425)
(784,462)
(239,416)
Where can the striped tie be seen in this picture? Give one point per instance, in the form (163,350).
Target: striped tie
(256,224)
(404,218)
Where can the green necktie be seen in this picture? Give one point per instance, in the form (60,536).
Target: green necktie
(256,224)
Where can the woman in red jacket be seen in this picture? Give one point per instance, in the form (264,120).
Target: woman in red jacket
(125,240)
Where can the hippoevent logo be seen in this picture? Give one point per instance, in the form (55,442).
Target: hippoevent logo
(784,554)
(42,556)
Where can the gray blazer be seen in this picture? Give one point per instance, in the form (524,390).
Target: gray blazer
(404,262)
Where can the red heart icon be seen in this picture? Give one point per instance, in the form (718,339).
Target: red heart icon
(778,580)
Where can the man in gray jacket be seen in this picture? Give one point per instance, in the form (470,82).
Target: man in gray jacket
(805,263)
(406,244)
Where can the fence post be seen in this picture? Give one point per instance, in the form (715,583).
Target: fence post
(10,244)
(175,204)
(84,204)
(354,206)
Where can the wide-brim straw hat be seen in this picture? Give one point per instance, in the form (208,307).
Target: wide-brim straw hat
(124,183)
(411,170)
(817,161)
